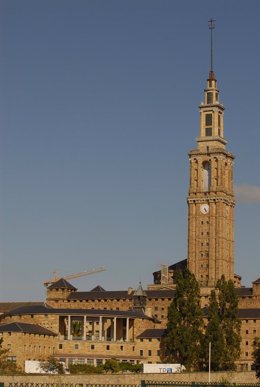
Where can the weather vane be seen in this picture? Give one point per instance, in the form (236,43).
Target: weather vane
(211,24)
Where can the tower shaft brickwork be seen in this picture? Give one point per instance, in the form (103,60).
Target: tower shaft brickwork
(211,197)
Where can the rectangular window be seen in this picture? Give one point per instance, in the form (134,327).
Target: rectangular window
(219,120)
(141,352)
(12,359)
(108,347)
(92,346)
(208,119)
(60,346)
(209,98)
(149,352)
(208,131)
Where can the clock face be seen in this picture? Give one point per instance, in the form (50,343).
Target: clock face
(204,208)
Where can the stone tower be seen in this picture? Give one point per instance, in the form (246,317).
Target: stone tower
(211,198)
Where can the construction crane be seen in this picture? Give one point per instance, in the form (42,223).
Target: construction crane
(71,276)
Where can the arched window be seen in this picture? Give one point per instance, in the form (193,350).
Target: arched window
(206,176)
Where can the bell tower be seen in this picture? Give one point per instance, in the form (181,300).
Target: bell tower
(211,197)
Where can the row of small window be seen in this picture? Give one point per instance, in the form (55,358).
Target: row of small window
(159,299)
(157,316)
(38,348)
(247,331)
(149,352)
(11,359)
(245,367)
(92,347)
(95,362)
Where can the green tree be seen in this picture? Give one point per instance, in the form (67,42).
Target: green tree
(52,366)
(214,335)
(230,323)
(111,365)
(7,366)
(182,339)
(3,351)
(256,357)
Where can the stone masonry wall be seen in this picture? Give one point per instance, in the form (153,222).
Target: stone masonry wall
(134,379)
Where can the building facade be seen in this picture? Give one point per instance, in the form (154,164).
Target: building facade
(92,326)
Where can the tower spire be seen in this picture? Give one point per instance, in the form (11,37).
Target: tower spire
(211,24)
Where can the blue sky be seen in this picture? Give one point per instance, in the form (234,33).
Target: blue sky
(98,110)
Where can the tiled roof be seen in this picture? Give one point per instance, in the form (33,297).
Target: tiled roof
(167,293)
(25,328)
(118,295)
(7,306)
(69,311)
(249,313)
(61,284)
(152,334)
(97,295)
(244,292)
(30,309)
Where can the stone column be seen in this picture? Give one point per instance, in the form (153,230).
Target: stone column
(84,327)
(69,327)
(127,329)
(114,330)
(100,328)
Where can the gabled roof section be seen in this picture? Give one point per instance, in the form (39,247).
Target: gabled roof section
(140,292)
(61,284)
(98,288)
(257,281)
(181,265)
(26,328)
